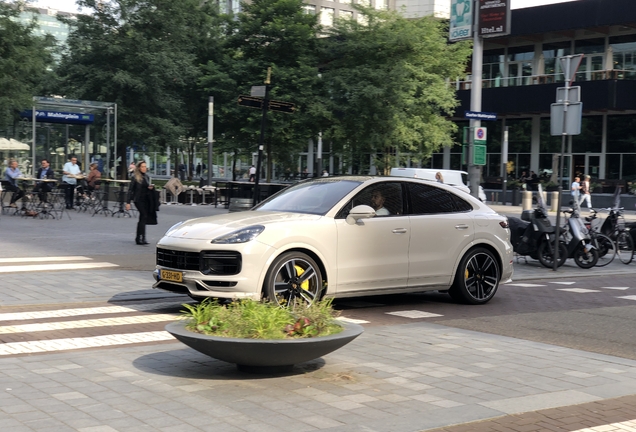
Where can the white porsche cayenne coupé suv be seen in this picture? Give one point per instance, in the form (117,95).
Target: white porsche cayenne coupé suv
(342,237)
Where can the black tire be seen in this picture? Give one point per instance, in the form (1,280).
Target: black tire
(546,254)
(477,277)
(293,277)
(584,259)
(606,249)
(625,247)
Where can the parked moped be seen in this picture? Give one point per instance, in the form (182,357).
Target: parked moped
(534,235)
(578,241)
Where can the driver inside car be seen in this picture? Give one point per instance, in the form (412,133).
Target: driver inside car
(377,202)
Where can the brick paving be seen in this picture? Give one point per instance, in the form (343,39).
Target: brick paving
(617,414)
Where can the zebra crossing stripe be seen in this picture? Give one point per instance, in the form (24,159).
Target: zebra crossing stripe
(45,267)
(40,259)
(88,323)
(52,345)
(62,313)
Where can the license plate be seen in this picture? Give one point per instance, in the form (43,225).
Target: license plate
(169,275)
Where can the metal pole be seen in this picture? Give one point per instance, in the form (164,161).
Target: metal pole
(115,140)
(33,143)
(87,140)
(558,206)
(107,143)
(504,165)
(319,154)
(210,137)
(475,101)
(262,137)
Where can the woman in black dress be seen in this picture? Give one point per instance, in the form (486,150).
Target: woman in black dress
(140,192)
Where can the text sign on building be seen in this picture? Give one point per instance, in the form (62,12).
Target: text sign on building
(461,20)
(494,18)
(59,117)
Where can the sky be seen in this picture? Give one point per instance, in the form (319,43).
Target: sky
(70,6)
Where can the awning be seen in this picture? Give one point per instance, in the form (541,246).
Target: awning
(13,145)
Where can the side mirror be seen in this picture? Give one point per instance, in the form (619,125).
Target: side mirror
(360,212)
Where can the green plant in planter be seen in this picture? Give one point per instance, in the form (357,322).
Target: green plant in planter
(250,319)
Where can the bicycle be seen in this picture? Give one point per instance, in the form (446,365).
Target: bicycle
(606,247)
(614,228)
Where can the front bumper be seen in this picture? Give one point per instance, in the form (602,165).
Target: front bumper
(244,282)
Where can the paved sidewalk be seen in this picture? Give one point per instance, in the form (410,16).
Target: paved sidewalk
(391,379)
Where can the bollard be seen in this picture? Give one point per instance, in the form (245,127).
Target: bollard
(526,201)
(555,202)
(515,197)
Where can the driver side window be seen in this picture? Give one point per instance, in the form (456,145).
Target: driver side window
(384,198)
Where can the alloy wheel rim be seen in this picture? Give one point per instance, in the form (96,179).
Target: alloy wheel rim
(481,276)
(296,281)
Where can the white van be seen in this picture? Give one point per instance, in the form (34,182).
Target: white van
(458,179)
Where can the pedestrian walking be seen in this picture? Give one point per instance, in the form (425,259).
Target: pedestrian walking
(585,192)
(142,192)
(575,189)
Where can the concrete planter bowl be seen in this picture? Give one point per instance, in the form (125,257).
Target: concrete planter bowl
(264,355)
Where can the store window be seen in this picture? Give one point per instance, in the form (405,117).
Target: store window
(621,134)
(624,56)
(590,139)
(552,65)
(520,65)
(493,68)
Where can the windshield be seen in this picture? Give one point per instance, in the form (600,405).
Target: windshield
(314,197)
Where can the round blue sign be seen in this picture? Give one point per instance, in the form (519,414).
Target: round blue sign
(480,133)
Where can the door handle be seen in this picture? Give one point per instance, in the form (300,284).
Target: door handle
(461,227)
(399,231)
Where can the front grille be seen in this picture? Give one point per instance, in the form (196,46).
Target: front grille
(219,263)
(178,260)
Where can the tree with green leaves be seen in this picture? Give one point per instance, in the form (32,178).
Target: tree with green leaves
(142,55)
(386,85)
(276,34)
(25,61)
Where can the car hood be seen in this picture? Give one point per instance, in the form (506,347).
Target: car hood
(209,228)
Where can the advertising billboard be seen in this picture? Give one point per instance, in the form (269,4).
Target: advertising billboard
(461,20)
(494,18)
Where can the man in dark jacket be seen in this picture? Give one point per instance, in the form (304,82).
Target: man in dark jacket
(44,172)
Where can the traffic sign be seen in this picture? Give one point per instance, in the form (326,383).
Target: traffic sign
(568,94)
(479,154)
(476,115)
(480,135)
(251,102)
(572,123)
(570,64)
(285,107)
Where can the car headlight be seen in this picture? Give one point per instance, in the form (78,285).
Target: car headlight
(173,227)
(243,235)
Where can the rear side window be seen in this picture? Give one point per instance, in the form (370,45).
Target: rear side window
(426,199)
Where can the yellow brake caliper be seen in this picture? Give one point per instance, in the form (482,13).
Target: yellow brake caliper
(300,271)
